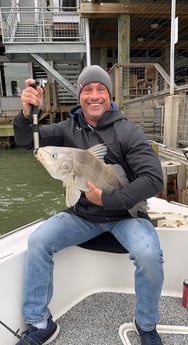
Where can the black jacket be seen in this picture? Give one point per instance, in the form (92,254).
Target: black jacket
(127,146)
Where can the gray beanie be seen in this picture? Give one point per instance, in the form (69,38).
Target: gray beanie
(94,74)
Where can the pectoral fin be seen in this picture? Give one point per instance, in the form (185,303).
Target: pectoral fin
(99,151)
(72,195)
(120,172)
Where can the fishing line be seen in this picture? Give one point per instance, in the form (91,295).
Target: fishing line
(16,334)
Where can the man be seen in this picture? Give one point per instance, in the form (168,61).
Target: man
(95,120)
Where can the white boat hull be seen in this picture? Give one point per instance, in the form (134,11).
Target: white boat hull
(80,272)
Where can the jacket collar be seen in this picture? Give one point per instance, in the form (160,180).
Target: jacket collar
(108,117)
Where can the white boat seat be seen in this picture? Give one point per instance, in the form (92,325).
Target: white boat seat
(106,242)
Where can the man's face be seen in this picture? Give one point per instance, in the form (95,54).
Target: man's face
(94,100)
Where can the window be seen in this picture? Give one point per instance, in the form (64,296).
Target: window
(66,5)
(15,75)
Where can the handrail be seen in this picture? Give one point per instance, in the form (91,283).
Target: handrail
(163,73)
(138,80)
(157,66)
(39,24)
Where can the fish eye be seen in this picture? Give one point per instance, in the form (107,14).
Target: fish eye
(53,155)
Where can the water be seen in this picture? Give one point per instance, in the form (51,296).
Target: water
(27,191)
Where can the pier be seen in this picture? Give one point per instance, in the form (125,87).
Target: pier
(6,136)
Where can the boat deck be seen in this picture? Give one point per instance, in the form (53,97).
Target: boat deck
(96,320)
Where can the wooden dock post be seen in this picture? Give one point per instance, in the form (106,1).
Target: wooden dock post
(6,136)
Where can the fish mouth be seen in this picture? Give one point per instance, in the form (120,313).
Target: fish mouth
(35,152)
(37,155)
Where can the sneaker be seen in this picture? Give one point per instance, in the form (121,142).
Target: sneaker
(148,337)
(35,336)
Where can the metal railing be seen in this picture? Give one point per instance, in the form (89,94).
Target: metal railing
(138,90)
(34,25)
(143,101)
(183,117)
(135,80)
(149,112)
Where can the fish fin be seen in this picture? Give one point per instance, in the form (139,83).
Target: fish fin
(120,172)
(99,151)
(72,195)
(141,207)
(69,180)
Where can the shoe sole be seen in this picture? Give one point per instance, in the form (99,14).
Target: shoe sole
(53,337)
(134,324)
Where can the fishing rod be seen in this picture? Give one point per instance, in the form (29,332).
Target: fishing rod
(35,127)
(16,334)
(34,112)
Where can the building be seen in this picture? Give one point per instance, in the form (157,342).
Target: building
(51,41)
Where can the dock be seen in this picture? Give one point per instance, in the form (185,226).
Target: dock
(6,136)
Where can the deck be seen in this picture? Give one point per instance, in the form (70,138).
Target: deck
(97,318)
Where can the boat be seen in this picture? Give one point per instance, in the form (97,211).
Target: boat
(93,297)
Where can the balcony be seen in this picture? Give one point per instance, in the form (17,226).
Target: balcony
(24,30)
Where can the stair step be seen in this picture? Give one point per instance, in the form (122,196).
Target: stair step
(26,30)
(70,72)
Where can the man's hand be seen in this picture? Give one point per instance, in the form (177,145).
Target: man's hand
(94,195)
(30,96)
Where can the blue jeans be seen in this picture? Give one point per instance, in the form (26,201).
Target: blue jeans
(63,230)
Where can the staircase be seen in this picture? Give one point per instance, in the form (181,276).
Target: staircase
(29,32)
(57,44)
(39,74)
(70,72)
